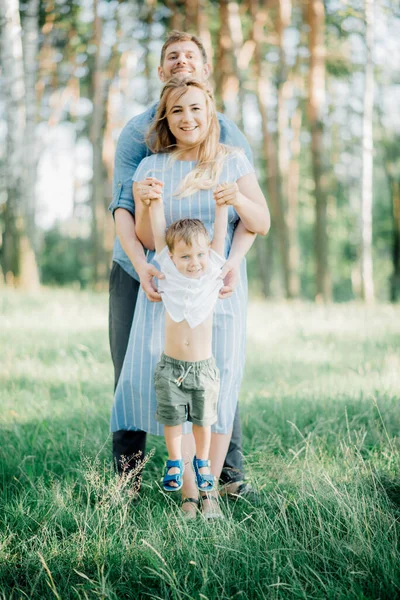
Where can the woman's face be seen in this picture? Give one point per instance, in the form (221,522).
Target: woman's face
(187,117)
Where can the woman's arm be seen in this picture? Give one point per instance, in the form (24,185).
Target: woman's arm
(220,227)
(249,202)
(144,192)
(241,243)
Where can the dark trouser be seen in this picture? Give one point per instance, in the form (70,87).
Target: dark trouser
(129,446)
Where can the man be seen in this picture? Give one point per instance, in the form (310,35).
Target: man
(182,54)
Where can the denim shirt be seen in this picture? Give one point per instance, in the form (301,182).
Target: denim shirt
(132,148)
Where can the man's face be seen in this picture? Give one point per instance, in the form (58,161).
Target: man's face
(183,59)
(192,261)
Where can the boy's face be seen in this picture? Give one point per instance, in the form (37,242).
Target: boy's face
(183,59)
(192,261)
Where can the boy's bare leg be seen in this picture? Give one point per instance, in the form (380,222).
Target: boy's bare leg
(202,436)
(173,440)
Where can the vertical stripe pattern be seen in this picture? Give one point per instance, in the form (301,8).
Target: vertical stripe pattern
(135,400)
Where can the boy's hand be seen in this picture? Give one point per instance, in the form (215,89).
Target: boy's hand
(149,189)
(226,193)
(229,274)
(146,275)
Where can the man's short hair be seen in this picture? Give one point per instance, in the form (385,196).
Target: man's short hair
(186,230)
(182,36)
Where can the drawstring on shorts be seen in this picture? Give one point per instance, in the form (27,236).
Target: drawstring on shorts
(182,377)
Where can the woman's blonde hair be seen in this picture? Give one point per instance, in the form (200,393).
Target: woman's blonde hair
(211,154)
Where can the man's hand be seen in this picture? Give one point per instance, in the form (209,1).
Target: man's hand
(146,274)
(147,190)
(227,193)
(229,274)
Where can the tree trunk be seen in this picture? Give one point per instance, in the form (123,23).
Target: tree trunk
(176,20)
(236,34)
(192,10)
(293,202)
(395,279)
(367,280)
(269,151)
(229,83)
(316,98)
(147,21)
(287,169)
(203,30)
(224,57)
(100,267)
(31,49)
(265,255)
(19,263)
(111,124)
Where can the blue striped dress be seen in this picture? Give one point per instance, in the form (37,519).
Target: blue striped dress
(135,400)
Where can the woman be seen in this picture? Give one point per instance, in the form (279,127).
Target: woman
(188,165)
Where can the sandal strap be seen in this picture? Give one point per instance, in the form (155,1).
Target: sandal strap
(174,463)
(202,463)
(207,479)
(175,477)
(191,500)
(201,478)
(207,497)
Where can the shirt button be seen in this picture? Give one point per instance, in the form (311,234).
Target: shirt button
(189,287)
(119,185)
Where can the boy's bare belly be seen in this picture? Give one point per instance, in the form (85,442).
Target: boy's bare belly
(184,343)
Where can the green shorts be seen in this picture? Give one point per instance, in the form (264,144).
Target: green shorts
(186,391)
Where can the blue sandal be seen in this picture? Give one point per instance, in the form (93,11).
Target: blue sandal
(176,478)
(203,479)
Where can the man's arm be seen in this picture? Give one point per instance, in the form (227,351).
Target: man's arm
(130,151)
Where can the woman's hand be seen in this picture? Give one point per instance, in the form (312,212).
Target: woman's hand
(227,193)
(147,190)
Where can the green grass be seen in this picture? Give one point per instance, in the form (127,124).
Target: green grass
(321,423)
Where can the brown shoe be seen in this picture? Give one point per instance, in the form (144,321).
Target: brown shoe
(241,490)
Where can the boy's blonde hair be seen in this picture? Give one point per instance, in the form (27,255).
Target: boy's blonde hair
(211,154)
(186,230)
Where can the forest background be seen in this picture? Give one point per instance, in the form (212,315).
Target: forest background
(315,86)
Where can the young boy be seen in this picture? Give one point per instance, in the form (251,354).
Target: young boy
(186,378)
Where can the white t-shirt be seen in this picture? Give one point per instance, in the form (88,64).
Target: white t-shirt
(189,299)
